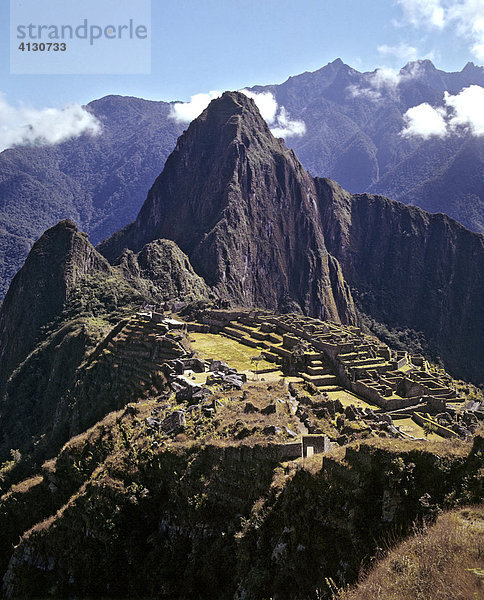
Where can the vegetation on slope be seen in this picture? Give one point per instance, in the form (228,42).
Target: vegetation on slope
(33,420)
(444,561)
(192,517)
(353,135)
(59,309)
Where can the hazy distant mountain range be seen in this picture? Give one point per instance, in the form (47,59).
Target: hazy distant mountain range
(99,182)
(354,123)
(353,132)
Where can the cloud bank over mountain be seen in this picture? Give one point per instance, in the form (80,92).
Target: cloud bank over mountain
(461,113)
(23,126)
(384,81)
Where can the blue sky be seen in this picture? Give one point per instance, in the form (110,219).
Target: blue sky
(199,46)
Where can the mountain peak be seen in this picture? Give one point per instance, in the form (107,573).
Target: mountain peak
(235,99)
(419,66)
(472,67)
(335,66)
(323,77)
(230,102)
(38,292)
(66,224)
(231,113)
(337,62)
(240,205)
(217,141)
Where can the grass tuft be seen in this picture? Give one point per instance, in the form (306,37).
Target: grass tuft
(441,562)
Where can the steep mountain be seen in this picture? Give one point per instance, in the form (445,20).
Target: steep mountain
(452,171)
(243,209)
(162,271)
(62,310)
(119,478)
(353,125)
(245,217)
(411,269)
(54,268)
(97,181)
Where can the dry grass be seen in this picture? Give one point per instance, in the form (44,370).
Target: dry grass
(313,464)
(409,426)
(443,562)
(26,485)
(441,447)
(231,418)
(346,398)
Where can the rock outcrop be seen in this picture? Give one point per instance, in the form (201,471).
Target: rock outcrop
(213,521)
(60,309)
(263,232)
(163,271)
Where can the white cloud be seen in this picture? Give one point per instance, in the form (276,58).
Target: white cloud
(286,127)
(356,91)
(461,113)
(478,51)
(381,81)
(467,109)
(184,112)
(424,121)
(403,52)
(468,17)
(20,126)
(384,82)
(384,78)
(465,17)
(266,103)
(276,117)
(431,13)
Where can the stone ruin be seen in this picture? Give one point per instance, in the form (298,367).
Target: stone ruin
(331,357)
(328,357)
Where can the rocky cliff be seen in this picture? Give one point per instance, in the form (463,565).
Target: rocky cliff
(263,232)
(162,271)
(353,135)
(66,306)
(243,209)
(409,268)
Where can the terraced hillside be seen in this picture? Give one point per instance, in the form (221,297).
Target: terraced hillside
(136,351)
(229,439)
